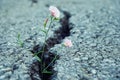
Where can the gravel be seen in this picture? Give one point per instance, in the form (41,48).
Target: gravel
(95,34)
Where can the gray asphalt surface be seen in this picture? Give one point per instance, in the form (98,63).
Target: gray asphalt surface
(95,33)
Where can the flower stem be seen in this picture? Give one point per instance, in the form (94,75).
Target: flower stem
(46,35)
(49,64)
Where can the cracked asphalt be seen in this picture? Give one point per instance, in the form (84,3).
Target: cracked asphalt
(95,33)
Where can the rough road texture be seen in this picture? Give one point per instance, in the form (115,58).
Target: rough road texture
(95,34)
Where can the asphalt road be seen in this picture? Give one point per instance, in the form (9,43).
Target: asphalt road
(95,34)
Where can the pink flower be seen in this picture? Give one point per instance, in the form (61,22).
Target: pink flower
(54,11)
(68,43)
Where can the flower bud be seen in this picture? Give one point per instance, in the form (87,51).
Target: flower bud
(45,22)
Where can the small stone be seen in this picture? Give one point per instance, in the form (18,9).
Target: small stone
(76,59)
(23,66)
(93,44)
(93,71)
(95,79)
(1,66)
(85,58)
(26,77)
(6,69)
(2,77)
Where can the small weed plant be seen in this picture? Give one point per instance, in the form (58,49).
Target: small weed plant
(54,16)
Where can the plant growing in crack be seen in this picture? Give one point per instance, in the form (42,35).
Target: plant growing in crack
(44,68)
(55,15)
(19,41)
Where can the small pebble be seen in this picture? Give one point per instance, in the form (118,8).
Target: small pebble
(76,59)
(93,71)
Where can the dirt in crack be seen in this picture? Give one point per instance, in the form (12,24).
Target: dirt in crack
(48,57)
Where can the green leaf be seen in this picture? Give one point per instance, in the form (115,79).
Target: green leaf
(38,58)
(18,35)
(63,44)
(19,41)
(47,72)
(45,69)
(45,22)
(56,19)
(21,44)
(35,54)
(43,31)
(44,25)
(41,51)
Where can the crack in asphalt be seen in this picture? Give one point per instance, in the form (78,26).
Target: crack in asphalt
(59,35)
